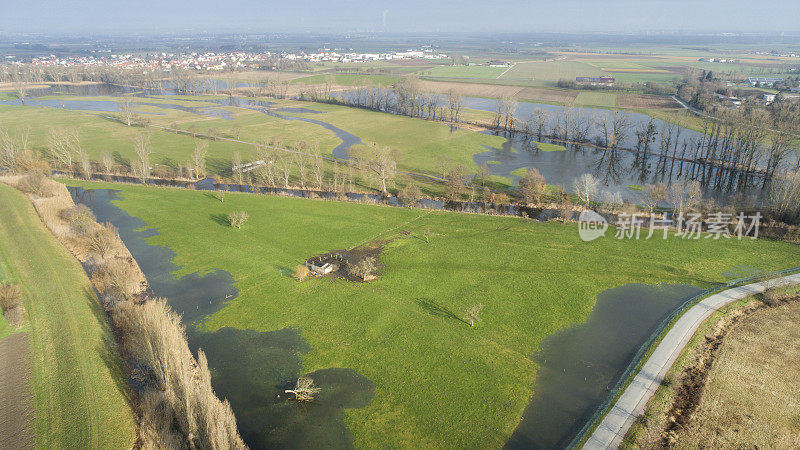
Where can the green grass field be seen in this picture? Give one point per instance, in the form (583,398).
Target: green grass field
(79,391)
(463,72)
(439,383)
(601,99)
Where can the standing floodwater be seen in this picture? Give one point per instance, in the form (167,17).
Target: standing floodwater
(249,368)
(579,365)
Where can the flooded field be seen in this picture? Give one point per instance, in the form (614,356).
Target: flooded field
(580,364)
(617,170)
(253,378)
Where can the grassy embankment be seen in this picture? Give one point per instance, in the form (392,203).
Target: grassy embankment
(748,398)
(78,385)
(439,383)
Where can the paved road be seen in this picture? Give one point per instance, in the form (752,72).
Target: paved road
(631,403)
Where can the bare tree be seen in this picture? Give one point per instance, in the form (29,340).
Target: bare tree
(472,314)
(379,162)
(125,105)
(684,196)
(454,103)
(285,163)
(83,161)
(317,165)
(654,194)
(540,118)
(586,187)
(198,161)
(265,172)
(785,195)
(19,82)
(107,162)
(236,167)
(141,146)
(454,183)
(63,145)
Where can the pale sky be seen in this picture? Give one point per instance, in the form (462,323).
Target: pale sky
(569,16)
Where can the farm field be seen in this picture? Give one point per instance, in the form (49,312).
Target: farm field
(548,73)
(463,72)
(601,99)
(349,79)
(439,383)
(80,396)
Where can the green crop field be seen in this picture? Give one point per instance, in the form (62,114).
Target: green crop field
(463,72)
(547,73)
(601,99)
(79,390)
(439,383)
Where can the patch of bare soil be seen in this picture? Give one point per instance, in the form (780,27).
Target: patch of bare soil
(366,256)
(689,392)
(471,89)
(638,101)
(16,404)
(564,96)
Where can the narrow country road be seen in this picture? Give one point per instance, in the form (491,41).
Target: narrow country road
(631,403)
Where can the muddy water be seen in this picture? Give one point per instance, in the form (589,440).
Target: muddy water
(580,364)
(249,368)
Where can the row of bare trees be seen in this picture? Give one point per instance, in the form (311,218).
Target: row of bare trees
(407,97)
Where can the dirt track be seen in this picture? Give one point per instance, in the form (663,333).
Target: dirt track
(16,412)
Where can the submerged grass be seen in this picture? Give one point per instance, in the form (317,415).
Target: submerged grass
(439,382)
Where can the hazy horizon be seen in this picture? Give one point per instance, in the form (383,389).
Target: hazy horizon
(410,16)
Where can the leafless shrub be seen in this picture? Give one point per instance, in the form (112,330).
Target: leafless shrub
(771,297)
(532,186)
(472,314)
(103,241)
(116,280)
(80,218)
(304,390)
(11,304)
(300,272)
(362,269)
(409,195)
(565,210)
(238,218)
(10,296)
(35,183)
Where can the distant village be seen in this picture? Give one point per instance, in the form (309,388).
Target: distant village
(218,61)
